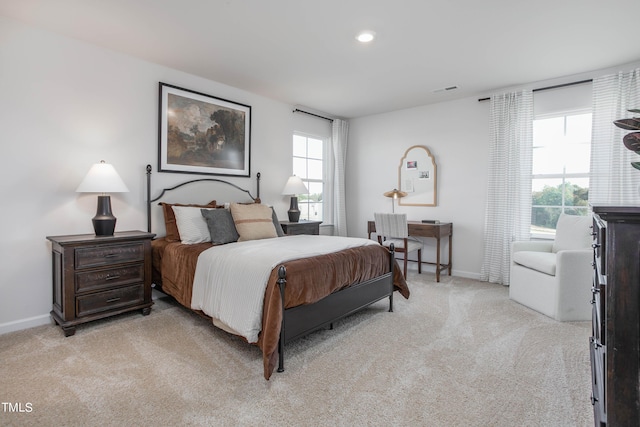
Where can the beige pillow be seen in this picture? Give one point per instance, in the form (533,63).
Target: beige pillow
(253,221)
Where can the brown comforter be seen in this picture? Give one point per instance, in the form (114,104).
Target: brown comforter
(308,280)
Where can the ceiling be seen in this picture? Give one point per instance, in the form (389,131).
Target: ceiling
(304,52)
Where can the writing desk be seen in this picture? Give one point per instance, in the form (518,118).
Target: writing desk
(422,229)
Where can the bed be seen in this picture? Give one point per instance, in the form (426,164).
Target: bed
(302,293)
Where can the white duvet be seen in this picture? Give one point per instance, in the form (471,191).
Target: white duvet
(230,280)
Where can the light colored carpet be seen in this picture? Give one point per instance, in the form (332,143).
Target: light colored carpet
(457,353)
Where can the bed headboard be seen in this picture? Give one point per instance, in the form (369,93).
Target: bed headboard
(164,191)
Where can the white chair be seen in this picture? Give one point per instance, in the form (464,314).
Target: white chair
(554,278)
(393,228)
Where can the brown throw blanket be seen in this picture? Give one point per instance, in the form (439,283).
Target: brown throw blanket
(308,281)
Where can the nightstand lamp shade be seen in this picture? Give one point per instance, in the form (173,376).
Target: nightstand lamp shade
(103,178)
(293,187)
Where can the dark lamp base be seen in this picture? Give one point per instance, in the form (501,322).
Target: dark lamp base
(294,212)
(104,223)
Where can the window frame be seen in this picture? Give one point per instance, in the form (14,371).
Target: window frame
(564,177)
(327,174)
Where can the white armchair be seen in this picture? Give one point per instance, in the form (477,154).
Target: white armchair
(554,278)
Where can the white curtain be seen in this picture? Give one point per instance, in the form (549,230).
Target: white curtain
(612,178)
(508,209)
(340,133)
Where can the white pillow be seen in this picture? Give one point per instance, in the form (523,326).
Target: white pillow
(192,226)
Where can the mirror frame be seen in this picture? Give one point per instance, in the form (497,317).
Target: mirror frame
(431,201)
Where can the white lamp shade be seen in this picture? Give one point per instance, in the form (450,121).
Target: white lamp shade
(294,186)
(102,178)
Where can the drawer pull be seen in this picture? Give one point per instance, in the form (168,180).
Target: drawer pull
(110,255)
(595,245)
(109,277)
(110,300)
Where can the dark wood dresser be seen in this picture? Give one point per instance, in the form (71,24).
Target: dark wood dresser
(100,276)
(615,355)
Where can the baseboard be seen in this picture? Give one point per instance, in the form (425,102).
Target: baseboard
(465,274)
(45,319)
(31,322)
(431,268)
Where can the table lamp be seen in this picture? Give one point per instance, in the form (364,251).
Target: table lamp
(394,194)
(103,178)
(293,187)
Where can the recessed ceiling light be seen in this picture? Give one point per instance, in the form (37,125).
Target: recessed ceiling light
(366,36)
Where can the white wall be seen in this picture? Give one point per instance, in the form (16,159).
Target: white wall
(457,134)
(65,105)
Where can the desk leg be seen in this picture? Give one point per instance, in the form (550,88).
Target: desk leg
(438,259)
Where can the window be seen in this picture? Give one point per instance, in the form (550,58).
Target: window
(561,159)
(309,165)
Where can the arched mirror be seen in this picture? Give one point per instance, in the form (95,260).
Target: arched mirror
(417,177)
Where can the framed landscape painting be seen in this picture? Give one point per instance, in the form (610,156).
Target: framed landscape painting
(203,134)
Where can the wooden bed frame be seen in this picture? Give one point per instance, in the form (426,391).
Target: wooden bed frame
(302,320)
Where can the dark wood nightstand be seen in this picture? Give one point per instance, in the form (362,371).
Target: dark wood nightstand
(100,276)
(302,227)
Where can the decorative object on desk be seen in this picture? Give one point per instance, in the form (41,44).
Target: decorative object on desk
(430,221)
(417,177)
(394,194)
(631,140)
(293,187)
(103,178)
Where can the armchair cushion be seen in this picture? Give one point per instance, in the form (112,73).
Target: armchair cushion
(544,262)
(532,245)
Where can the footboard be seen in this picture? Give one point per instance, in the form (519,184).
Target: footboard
(302,320)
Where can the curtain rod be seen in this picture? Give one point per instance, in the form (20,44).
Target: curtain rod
(312,114)
(549,87)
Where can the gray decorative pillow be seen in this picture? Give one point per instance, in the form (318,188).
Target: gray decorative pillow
(221,226)
(276,223)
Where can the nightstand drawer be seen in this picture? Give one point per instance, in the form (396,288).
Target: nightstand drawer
(109,278)
(302,227)
(97,256)
(109,300)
